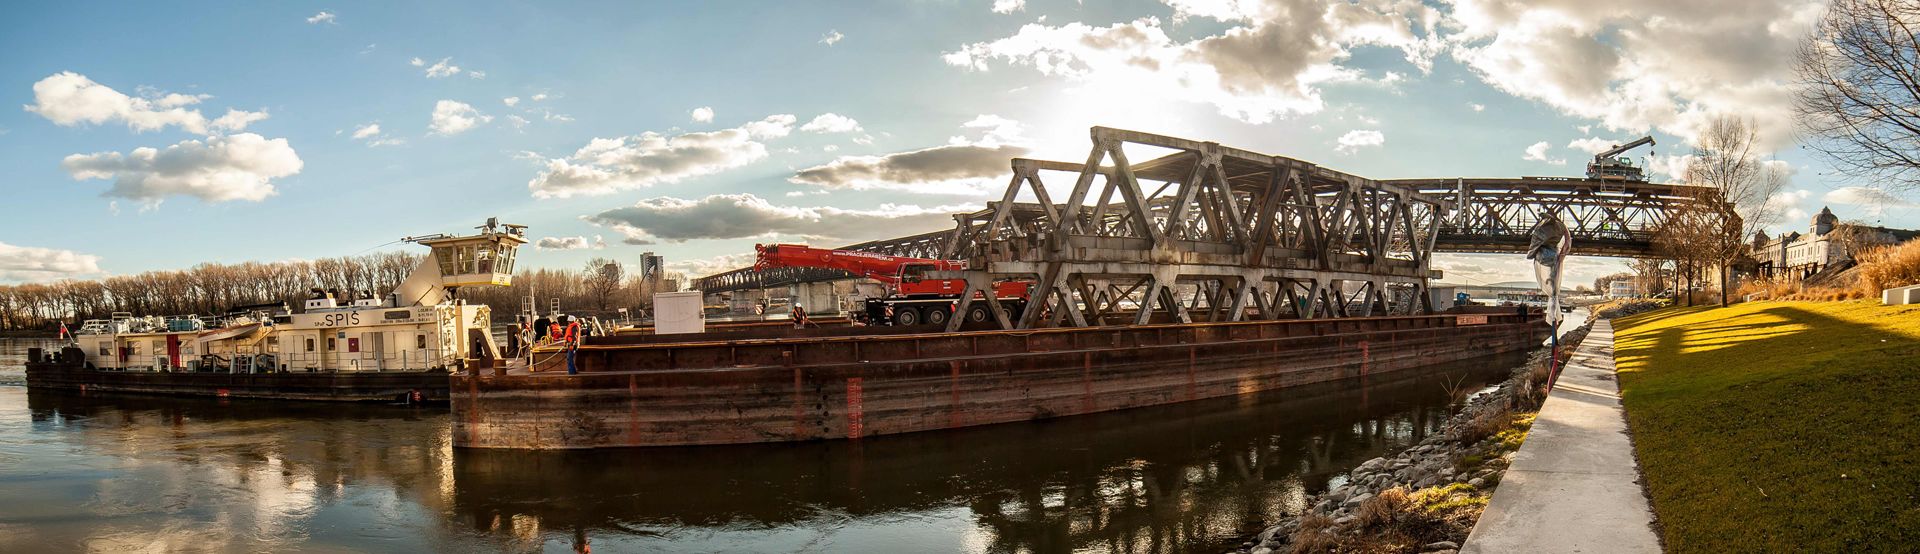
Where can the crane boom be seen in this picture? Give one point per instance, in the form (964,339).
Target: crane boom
(880,267)
(1617,150)
(911,299)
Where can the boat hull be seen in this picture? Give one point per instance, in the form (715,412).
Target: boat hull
(419,387)
(732,392)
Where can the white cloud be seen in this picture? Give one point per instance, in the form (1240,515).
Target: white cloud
(452,118)
(517,122)
(1538,153)
(540,97)
(1272,65)
(220,169)
(831,123)
(322,17)
(1592,145)
(1872,201)
(702,114)
(774,126)
(1673,167)
(718,264)
(510,101)
(732,216)
(831,38)
(70,99)
(374,136)
(1359,138)
(1477,107)
(1634,65)
(609,165)
(570,243)
(442,68)
(963,166)
(1788,204)
(1009,6)
(32,264)
(477,74)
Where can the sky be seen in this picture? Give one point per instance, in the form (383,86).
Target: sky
(156,136)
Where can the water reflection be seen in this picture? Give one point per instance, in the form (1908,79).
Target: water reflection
(1177,478)
(144,473)
(160,474)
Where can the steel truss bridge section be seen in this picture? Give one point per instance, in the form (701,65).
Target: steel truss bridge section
(1224,230)
(1607,218)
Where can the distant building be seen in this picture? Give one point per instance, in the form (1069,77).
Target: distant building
(1794,256)
(1622,288)
(652,267)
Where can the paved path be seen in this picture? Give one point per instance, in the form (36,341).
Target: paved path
(1574,484)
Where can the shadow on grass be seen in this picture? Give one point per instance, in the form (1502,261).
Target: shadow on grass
(1778,427)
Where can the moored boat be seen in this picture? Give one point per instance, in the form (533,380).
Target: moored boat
(339,347)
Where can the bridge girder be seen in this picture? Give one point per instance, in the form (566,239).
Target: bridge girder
(1235,229)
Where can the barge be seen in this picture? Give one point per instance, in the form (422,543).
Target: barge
(340,347)
(706,389)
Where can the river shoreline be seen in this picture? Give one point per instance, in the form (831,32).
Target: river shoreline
(1430,493)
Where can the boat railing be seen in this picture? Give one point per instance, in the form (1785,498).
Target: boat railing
(367,362)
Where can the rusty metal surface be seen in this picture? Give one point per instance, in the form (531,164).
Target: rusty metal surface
(849,387)
(332,387)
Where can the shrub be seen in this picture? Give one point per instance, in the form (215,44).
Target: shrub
(1888,267)
(1312,536)
(1380,511)
(1488,423)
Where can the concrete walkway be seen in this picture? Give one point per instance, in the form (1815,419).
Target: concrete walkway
(1574,483)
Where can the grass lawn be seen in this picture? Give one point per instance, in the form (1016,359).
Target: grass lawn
(1777,426)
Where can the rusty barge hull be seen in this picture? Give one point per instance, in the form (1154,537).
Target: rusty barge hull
(733,392)
(328,387)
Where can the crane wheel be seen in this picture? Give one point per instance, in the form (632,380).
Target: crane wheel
(936,316)
(906,317)
(978,314)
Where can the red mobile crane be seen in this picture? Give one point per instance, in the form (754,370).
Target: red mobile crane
(911,299)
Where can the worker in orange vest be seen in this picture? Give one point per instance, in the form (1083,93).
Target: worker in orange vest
(571,338)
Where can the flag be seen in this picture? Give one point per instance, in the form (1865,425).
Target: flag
(1548,245)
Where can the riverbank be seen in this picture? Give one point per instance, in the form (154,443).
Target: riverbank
(1777,425)
(1574,486)
(1425,498)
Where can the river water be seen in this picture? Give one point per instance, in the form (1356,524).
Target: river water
(125,473)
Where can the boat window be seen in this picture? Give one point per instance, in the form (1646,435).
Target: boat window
(465,255)
(445,256)
(332,345)
(483,257)
(420,341)
(505,265)
(309,344)
(105,350)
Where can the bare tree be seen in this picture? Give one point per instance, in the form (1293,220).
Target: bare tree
(1650,273)
(604,278)
(1605,281)
(1737,185)
(1859,89)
